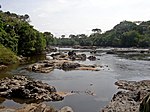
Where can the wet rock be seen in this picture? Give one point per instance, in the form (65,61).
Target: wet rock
(47,66)
(33,107)
(92,58)
(73,56)
(67,65)
(41,67)
(58,55)
(71,53)
(130,99)
(23,88)
(66,109)
(93,52)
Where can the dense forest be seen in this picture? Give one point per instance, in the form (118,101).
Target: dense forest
(23,39)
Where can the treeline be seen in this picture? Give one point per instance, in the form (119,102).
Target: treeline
(124,34)
(19,36)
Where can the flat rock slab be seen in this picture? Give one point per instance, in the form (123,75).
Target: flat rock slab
(24,88)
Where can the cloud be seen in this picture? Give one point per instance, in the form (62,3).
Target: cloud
(79,16)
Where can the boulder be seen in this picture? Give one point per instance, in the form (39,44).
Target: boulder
(67,65)
(92,58)
(66,109)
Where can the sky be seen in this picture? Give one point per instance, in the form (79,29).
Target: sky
(64,17)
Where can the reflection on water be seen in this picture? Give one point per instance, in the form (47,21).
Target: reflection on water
(101,83)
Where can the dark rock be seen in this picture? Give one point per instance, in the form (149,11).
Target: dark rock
(71,53)
(23,88)
(92,58)
(67,65)
(93,52)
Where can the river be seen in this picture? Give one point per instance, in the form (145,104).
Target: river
(101,83)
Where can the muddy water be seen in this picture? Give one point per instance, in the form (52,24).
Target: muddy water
(101,83)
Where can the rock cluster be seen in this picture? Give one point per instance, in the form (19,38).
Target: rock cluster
(47,66)
(129,100)
(23,88)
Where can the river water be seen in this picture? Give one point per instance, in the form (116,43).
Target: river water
(101,83)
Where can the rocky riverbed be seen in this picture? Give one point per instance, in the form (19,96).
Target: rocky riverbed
(130,97)
(24,88)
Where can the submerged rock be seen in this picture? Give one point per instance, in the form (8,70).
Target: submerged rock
(23,88)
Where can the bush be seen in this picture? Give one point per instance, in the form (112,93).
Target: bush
(7,56)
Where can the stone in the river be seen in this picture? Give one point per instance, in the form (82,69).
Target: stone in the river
(92,58)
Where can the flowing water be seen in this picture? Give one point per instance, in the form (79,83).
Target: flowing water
(101,83)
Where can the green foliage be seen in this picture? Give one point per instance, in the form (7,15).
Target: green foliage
(20,37)
(124,34)
(7,56)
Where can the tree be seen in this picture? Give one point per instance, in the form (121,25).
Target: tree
(97,30)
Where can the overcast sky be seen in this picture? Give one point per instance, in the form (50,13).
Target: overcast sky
(78,16)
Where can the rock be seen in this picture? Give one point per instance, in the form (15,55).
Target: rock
(130,99)
(68,66)
(36,108)
(2,67)
(51,49)
(47,66)
(145,105)
(23,88)
(66,109)
(58,55)
(71,53)
(93,52)
(33,107)
(92,58)
(73,56)
(41,67)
